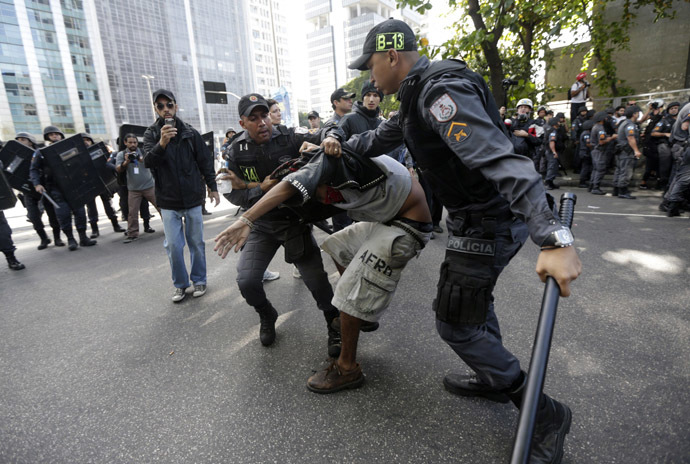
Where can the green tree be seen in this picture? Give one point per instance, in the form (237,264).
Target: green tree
(303,120)
(389,102)
(510,38)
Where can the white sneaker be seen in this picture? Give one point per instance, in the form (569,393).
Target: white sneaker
(179,295)
(199,290)
(295,272)
(269,276)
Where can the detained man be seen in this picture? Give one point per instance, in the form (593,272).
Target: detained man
(394,224)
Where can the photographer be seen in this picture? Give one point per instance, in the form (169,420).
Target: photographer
(525,141)
(139,184)
(578,96)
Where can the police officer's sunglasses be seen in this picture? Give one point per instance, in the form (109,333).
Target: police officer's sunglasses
(170,105)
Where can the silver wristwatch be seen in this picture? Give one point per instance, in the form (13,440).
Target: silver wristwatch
(560,238)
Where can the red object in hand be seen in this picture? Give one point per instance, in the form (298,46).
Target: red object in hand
(532,131)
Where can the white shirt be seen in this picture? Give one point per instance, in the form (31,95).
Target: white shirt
(580,97)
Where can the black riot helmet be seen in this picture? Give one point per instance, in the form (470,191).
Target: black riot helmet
(51,130)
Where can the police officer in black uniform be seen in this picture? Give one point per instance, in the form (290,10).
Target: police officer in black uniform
(252,156)
(6,244)
(601,140)
(628,151)
(35,205)
(660,140)
(585,153)
(679,188)
(451,125)
(92,209)
(41,177)
(524,141)
(552,150)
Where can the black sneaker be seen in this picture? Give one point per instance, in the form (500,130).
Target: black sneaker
(471,385)
(438,229)
(643,187)
(551,426)
(148,230)
(334,343)
(364,326)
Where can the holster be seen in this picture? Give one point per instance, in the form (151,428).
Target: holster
(464,290)
(298,243)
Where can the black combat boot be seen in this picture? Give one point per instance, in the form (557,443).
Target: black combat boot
(334,339)
(597,191)
(94,230)
(615,192)
(147,228)
(45,241)
(71,242)
(552,424)
(116,225)
(267,331)
(625,193)
(84,240)
(58,240)
(13,263)
(471,385)
(673,209)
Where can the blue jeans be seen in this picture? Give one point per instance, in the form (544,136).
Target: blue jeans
(175,233)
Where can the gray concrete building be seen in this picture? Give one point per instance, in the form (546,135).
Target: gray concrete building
(336,35)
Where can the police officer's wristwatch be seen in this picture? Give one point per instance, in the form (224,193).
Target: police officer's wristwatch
(560,238)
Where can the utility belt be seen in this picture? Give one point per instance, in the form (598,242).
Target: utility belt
(487,221)
(414,229)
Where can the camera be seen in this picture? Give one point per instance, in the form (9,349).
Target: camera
(509,82)
(655,105)
(132,156)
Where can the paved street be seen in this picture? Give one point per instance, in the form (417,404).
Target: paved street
(97,365)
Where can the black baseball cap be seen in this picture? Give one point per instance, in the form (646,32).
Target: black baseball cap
(163,93)
(390,34)
(249,102)
(312,114)
(342,93)
(631,110)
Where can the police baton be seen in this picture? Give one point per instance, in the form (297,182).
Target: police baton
(540,351)
(47,197)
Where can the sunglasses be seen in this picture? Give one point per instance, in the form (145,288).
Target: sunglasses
(170,105)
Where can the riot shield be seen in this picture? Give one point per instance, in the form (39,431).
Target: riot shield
(99,155)
(73,171)
(208,141)
(130,129)
(7,198)
(16,159)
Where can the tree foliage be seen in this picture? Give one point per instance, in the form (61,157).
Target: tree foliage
(510,38)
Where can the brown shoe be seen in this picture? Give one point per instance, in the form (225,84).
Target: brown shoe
(333,379)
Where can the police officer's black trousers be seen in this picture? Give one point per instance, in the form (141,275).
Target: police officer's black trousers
(651,154)
(6,243)
(481,346)
(92,209)
(64,214)
(625,162)
(679,190)
(256,255)
(33,212)
(551,166)
(598,166)
(665,164)
(586,169)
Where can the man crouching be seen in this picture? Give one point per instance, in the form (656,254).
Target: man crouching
(394,224)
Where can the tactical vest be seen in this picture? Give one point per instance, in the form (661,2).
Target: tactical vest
(454,183)
(255,162)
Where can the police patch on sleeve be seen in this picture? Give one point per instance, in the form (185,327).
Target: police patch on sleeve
(444,108)
(459,131)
